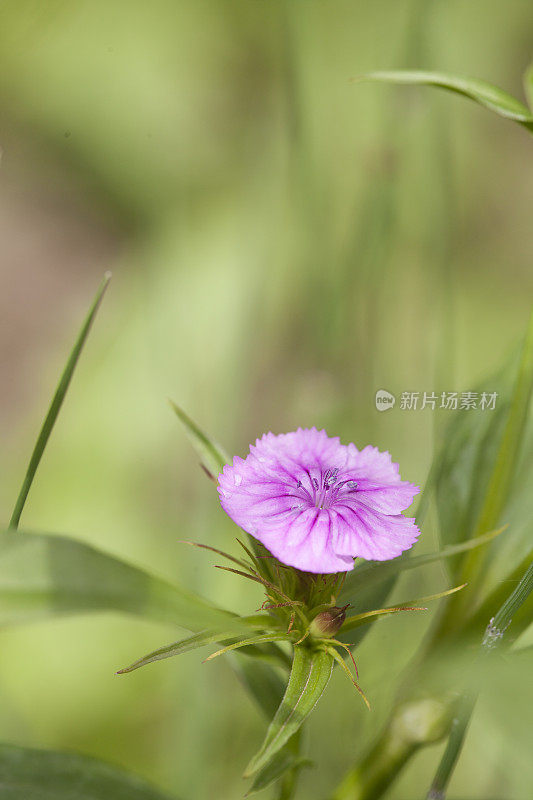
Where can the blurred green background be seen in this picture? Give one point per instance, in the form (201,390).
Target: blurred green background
(284,242)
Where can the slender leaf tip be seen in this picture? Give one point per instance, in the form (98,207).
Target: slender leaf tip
(56,403)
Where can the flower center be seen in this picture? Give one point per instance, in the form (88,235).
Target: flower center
(322,492)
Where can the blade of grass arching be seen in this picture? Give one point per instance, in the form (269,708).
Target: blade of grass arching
(485,94)
(212,456)
(493,638)
(56,404)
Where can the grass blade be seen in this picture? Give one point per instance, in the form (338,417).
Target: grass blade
(310,674)
(56,404)
(485,94)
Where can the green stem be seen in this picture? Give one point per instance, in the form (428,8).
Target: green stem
(413,724)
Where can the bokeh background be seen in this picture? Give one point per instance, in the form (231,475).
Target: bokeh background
(284,242)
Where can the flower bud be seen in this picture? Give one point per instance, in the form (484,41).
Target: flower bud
(328,623)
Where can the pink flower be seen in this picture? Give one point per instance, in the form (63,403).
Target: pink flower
(317,504)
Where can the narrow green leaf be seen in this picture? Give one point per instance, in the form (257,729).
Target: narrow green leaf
(475,622)
(454,746)
(310,674)
(27,774)
(485,94)
(265,638)
(43,575)
(371,572)
(211,455)
(408,605)
(56,404)
(266,687)
(503,618)
(259,622)
(177,648)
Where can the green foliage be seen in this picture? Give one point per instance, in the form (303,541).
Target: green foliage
(45,775)
(485,94)
(43,575)
(310,674)
(370,583)
(195,641)
(357,620)
(500,486)
(371,573)
(470,446)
